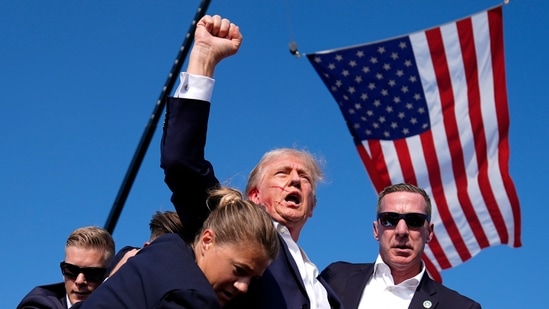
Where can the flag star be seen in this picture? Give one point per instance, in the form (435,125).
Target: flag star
(392,83)
(409,105)
(396,100)
(358,79)
(373,60)
(345,97)
(384,92)
(369,112)
(389,109)
(351,90)
(338,57)
(375,125)
(360,54)
(351,111)
(318,59)
(408,63)
(394,56)
(358,106)
(366,69)
(364,119)
(381,50)
(372,86)
(338,83)
(413,79)
(425,125)
(402,45)
(345,73)
(379,76)
(399,73)
(387,134)
(394,125)
(404,89)
(405,131)
(413,120)
(356,126)
(386,67)
(401,115)
(334,88)
(352,63)
(417,96)
(377,103)
(364,96)
(331,66)
(421,110)
(368,132)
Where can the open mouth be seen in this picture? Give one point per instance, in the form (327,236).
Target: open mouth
(294,198)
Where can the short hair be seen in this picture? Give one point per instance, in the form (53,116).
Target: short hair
(165,222)
(92,237)
(312,164)
(236,220)
(404,187)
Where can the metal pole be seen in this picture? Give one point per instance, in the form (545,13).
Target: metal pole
(153,122)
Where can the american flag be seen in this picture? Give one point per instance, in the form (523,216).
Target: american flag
(430,108)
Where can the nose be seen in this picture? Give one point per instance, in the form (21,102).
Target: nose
(295,179)
(80,279)
(242,284)
(401,228)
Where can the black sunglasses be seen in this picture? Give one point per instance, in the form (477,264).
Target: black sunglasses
(92,274)
(413,220)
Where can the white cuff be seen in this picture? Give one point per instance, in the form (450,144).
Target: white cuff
(196,87)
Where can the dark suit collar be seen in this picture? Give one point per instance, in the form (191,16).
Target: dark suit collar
(425,295)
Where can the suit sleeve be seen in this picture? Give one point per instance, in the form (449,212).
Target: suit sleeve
(187,173)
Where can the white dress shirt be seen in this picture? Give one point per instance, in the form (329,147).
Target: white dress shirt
(318,296)
(382,293)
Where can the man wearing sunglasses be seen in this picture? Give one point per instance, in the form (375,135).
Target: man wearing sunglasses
(398,278)
(88,252)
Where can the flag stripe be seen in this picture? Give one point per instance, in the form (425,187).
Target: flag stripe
(500,95)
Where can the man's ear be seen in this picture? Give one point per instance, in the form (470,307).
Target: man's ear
(254,196)
(375,230)
(430,232)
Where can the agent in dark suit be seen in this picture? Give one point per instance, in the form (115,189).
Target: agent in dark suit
(283,182)
(51,296)
(237,242)
(88,251)
(161,223)
(398,278)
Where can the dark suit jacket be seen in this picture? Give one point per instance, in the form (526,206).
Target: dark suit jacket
(161,275)
(349,280)
(189,176)
(52,296)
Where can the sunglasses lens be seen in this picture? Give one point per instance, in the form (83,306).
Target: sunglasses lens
(69,270)
(414,220)
(388,219)
(92,274)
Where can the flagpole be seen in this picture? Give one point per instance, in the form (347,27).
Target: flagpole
(148,134)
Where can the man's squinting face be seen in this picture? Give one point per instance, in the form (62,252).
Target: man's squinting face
(401,247)
(286,191)
(79,289)
(229,267)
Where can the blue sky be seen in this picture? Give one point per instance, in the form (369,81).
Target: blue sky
(79,80)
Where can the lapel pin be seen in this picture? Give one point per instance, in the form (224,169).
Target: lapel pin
(427,304)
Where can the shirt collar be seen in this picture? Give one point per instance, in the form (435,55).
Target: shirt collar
(382,269)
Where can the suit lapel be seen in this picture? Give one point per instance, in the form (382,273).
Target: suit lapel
(425,296)
(356,283)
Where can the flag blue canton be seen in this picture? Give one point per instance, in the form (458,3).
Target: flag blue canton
(378,89)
